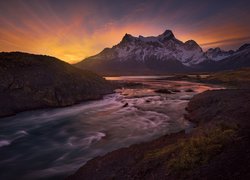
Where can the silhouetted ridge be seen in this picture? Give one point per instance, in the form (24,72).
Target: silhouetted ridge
(35,81)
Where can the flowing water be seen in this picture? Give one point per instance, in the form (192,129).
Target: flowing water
(50,143)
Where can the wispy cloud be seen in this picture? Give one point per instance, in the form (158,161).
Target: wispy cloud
(73,30)
(227,41)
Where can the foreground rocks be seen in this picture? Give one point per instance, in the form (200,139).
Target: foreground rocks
(230,108)
(218,148)
(35,81)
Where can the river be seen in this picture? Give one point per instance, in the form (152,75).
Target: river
(53,143)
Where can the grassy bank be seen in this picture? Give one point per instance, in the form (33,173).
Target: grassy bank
(199,149)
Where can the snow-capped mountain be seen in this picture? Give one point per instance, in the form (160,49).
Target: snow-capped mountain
(217,54)
(238,59)
(153,54)
(162,47)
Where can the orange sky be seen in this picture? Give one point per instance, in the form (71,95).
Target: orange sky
(74,31)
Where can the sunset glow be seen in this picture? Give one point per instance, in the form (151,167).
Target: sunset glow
(74,30)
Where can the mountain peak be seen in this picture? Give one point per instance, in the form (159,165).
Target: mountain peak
(243,47)
(218,54)
(167,35)
(217,49)
(214,50)
(191,44)
(127,38)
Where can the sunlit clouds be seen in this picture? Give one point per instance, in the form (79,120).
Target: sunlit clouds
(73,30)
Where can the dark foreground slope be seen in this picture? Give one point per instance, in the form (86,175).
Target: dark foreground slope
(35,81)
(218,148)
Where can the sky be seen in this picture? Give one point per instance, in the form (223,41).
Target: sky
(72,30)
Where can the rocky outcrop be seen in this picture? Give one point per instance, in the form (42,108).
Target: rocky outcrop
(35,81)
(218,148)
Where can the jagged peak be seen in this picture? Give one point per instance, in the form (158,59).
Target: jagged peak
(212,50)
(191,42)
(106,50)
(244,46)
(127,35)
(168,33)
(217,49)
(127,38)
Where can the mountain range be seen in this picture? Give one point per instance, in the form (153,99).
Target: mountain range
(163,54)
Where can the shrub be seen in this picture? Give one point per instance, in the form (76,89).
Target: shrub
(197,150)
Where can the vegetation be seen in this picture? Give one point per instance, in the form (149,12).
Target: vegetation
(237,76)
(197,150)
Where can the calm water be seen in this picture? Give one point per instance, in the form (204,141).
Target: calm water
(56,142)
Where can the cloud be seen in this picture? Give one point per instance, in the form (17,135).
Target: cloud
(226,41)
(73,30)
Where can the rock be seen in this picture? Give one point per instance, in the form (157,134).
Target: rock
(189,90)
(175,90)
(125,105)
(221,105)
(163,91)
(34,81)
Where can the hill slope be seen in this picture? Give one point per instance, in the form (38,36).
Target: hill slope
(35,81)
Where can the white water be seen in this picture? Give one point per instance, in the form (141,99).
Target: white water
(56,142)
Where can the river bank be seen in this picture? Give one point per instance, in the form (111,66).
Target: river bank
(217,148)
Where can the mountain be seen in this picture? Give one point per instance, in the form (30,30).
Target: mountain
(154,55)
(216,54)
(145,55)
(237,59)
(241,58)
(34,81)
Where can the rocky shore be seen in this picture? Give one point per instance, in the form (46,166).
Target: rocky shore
(217,148)
(34,81)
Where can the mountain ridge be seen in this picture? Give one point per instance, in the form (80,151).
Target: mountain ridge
(154,55)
